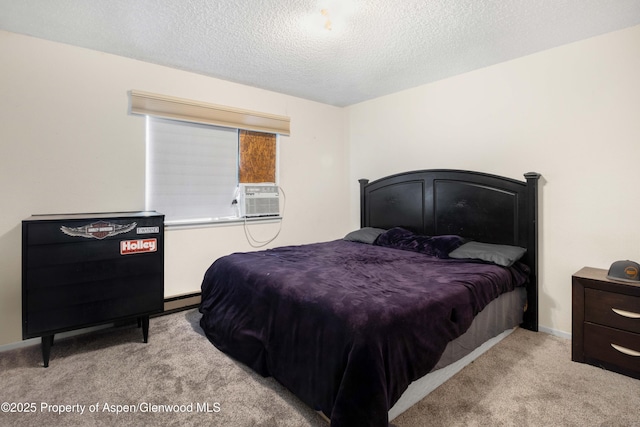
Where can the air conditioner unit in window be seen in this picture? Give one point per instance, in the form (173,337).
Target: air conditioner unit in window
(259,200)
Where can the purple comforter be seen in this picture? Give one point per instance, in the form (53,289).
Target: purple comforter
(345,326)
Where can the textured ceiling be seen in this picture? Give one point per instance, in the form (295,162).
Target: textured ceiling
(375,47)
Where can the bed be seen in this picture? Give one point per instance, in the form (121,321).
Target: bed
(444,261)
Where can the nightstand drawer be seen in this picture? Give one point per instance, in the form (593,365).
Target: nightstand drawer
(618,348)
(612,309)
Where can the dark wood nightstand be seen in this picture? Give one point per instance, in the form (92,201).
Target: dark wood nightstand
(606,322)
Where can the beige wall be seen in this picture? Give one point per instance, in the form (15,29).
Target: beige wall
(68,145)
(570,113)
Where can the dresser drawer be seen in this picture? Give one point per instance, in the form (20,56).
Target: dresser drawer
(612,309)
(598,346)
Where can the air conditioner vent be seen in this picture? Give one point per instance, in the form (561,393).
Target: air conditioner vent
(259,200)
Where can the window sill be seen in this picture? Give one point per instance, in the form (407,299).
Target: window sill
(220,222)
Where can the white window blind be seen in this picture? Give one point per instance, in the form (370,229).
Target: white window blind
(192,170)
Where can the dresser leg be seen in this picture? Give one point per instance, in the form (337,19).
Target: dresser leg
(145,327)
(47,342)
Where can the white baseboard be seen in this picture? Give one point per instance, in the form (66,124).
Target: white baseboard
(61,335)
(557,333)
(175,303)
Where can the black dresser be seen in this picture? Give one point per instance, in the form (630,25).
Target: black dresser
(83,270)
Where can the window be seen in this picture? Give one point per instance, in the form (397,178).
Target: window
(257,157)
(193,169)
(198,153)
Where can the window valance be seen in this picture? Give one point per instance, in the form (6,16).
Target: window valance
(199,112)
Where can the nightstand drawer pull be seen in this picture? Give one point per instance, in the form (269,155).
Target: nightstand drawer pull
(626,351)
(624,313)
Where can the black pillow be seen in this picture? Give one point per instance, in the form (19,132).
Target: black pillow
(437,246)
(503,255)
(364,235)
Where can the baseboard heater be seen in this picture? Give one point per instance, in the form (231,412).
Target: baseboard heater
(181,302)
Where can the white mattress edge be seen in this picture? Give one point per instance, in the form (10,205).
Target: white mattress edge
(420,388)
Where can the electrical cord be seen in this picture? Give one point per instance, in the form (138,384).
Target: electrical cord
(261,243)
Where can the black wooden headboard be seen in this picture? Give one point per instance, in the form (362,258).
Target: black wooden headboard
(479,206)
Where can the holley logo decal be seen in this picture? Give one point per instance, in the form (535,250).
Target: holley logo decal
(128,247)
(98,230)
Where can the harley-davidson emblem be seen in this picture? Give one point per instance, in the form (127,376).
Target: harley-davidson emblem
(98,230)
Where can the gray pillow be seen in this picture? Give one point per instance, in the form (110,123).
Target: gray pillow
(364,235)
(503,255)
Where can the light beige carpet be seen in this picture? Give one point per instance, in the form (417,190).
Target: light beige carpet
(528,379)
(180,379)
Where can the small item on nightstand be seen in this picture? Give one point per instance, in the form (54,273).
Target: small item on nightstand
(628,271)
